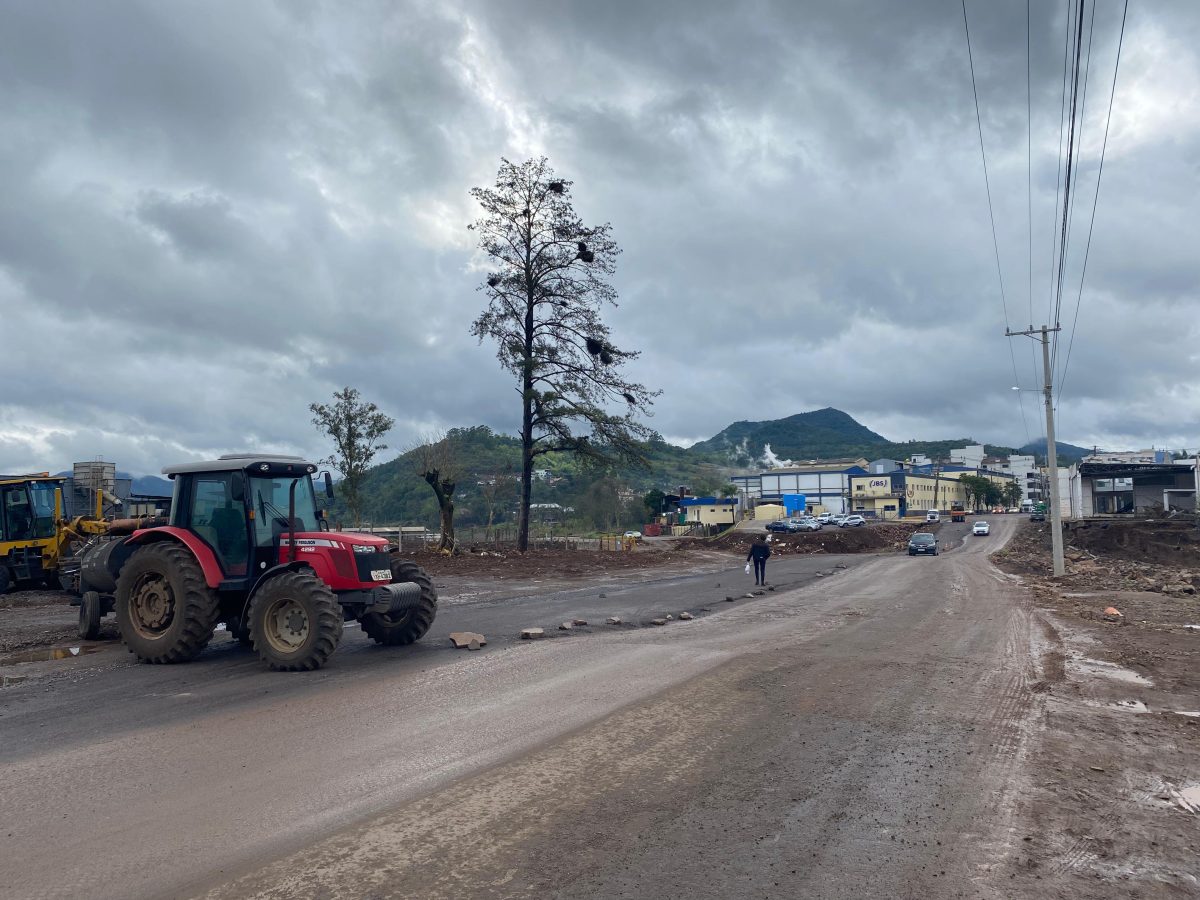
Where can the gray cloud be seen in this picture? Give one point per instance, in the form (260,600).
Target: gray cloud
(217,214)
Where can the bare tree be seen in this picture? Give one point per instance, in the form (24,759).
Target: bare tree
(356,427)
(545,293)
(497,489)
(436,459)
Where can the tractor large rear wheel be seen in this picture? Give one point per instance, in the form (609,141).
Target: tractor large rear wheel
(295,622)
(406,627)
(165,610)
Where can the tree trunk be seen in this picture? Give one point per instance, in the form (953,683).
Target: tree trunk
(447,509)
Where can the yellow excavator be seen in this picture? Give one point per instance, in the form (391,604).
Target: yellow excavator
(37,543)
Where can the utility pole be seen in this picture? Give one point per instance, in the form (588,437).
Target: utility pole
(1056,541)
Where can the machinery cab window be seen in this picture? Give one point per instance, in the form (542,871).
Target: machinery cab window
(220,520)
(16,516)
(269,499)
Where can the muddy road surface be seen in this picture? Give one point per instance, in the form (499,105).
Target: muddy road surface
(863,731)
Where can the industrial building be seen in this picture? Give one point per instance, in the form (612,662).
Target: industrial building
(903,492)
(1128,483)
(824,484)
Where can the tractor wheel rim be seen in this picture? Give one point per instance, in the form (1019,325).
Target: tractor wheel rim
(286,625)
(152,606)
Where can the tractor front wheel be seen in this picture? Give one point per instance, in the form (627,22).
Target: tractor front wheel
(90,613)
(6,579)
(165,610)
(406,627)
(295,622)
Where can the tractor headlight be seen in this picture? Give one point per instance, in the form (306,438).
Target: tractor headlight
(365,548)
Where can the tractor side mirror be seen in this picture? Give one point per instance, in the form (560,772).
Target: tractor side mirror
(237,487)
(328,485)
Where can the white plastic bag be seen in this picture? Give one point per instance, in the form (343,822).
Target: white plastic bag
(747,568)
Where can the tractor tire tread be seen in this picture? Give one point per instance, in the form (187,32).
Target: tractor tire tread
(200,603)
(329,620)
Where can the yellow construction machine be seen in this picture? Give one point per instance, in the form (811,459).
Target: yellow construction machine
(37,542)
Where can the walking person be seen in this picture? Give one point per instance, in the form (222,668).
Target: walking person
(759,551)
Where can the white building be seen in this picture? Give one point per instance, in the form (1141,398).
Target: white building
(1028,475)
(970,456)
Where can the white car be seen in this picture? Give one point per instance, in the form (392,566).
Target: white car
(852,521)
(838,518)
(981,527)
(634,535)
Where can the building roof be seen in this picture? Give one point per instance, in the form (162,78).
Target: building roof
(708,501)
(266,463)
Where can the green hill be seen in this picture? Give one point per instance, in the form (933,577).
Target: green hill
(822,433)
(490,464)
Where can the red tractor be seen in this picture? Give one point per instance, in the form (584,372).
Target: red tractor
(245,544)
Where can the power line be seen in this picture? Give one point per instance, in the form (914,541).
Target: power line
(1062,117)
(1070,160)
(1029,175)
(1095,200)
(991,213)
(1087,68)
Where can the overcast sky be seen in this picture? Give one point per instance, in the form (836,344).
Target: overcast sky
(216,213)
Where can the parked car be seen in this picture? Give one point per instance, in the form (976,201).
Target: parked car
(634,535)
(852,521)
(808,523)
(922,542)
(838,519)
(783,526)
(1037,516)
(825,518)
(981,527)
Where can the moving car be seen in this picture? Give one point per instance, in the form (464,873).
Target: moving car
(922,542)
(933,516)
(981,527)
(852,521)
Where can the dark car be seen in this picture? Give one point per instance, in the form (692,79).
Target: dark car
(783,525)
(1037,516)
(922,542)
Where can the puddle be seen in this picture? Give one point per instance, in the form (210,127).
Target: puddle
(1093,667)
(44,654)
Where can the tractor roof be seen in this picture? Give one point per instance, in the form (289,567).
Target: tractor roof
(253,463)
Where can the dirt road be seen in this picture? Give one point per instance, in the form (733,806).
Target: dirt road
(866,733)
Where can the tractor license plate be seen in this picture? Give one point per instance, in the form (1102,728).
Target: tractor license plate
(381,574)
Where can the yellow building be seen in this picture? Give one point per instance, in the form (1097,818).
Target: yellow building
(709,510)
(891,495)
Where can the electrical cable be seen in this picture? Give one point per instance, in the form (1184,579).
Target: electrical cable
(992,215)
(1087,68)
(1095,200)
(1070,161)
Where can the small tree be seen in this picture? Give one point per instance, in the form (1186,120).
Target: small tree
(546,289)
(356,428)
(497,490)
(1012,494)
(436,459)
(653,501)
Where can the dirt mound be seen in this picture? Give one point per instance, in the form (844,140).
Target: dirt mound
(509,563)
(1165,541)
(869,539)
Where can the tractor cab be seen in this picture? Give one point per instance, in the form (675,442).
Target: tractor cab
(247,510)
(30,506)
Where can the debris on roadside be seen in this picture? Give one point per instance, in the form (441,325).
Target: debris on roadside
(579,623)
(1112,614)
(685,616)
(530,634)
(464,639)
(614,620)
(658,621)
(566,626)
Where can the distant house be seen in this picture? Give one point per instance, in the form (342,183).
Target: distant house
(709,510)
(1124,484)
